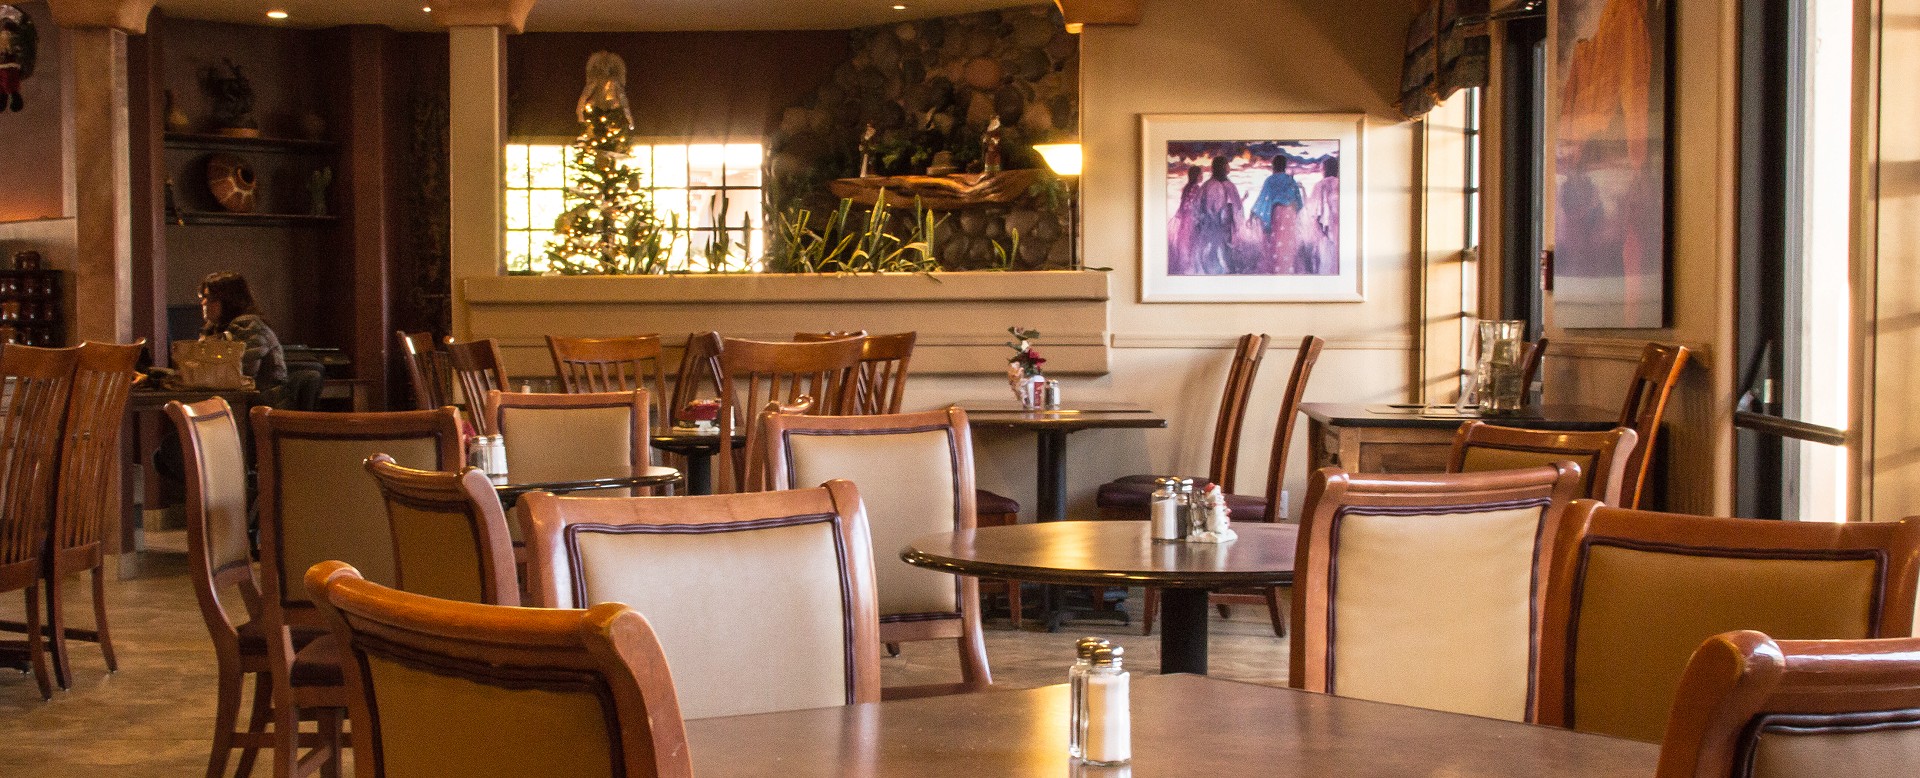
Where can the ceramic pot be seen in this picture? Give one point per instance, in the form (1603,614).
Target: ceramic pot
(232,182)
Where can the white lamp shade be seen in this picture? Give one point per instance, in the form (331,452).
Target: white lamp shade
(1063,158)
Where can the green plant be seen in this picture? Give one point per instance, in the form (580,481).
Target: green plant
(720,249)
(1003,256)
(843,244)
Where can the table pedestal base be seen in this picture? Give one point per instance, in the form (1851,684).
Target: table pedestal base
(1183,631)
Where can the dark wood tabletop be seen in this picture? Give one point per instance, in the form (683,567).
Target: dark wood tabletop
(652,476)
(1182,726)
(682,440)
(1548,417)
(1071,418)
(1118,553)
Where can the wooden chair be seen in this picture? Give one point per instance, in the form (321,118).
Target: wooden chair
(1425,590)
(88,492)
(220,559)
(38,383)
(780,373)
(1750,705)
(1633,593)
(427,369)
(1268,508)
(1645,406)
(453,688)
(1530,370)
(316,504)
(450,537)
(881,384)
(598,365)
(762,601)
(918,468)
(1602,456)
(699,366)
(477,368)
(1125,498)
(572,437)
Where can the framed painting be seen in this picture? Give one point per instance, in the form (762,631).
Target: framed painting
(1251,208)
(1611,189)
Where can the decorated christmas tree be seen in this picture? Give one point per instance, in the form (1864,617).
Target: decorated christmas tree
(612,228)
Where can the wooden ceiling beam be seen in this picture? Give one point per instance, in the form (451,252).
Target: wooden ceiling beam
(1080,13)
(509,14)
(128,16)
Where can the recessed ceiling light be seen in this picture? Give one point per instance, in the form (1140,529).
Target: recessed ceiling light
(426,9)
(276,14)
(899,8)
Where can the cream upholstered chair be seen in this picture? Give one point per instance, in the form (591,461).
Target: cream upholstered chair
(1602,456)
(450,537)
(764,601)
(1425,590)
(918,474)
(1752,706)
(317,504)
(572,437)
(1633,593)
(452,688)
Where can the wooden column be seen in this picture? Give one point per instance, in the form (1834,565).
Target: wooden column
(364,176)
(477,120)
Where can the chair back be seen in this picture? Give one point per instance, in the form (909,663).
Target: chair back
(572,437)
(783,373)
(38,383)
(478,370)
(1633,593)
(1645,406)
(918,471)
(427,369)
(1602,456)
(219,553)
(881,384)
(597,365)
(316,502)
(89,490)
(1224,461)
(1425,590)
(437,687)
(450,537)
(699,364)
(1530,369)
(1749,705)
(1303,360)
(722,579)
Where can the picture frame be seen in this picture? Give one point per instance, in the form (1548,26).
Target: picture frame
(1612,147)
(1218,226)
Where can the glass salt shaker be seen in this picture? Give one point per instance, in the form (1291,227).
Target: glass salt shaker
(1163,509)
(1077,693)
(1107,720)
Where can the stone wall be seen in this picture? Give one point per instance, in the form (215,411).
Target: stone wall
(933,85)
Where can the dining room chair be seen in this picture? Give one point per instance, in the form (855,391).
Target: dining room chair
(427,370)
(1644,408)
(553,438)
(1535,358)
(623,364)
(782,373)
(1125,498)
(87,494)
(881,384)
(1750,705)
(1266,507)
(698,376)
(441,687)
(1425,590)
(316,503)
(1602,456)
(1632,593)
(220,561)
(763,601)
(38,384)
(477,369)
(450,537)
(918,471)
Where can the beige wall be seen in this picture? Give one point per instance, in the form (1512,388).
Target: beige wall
(1889,244)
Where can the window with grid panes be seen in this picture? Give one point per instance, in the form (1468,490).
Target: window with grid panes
(690,182)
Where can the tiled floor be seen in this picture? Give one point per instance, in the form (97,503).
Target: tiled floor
(155,716)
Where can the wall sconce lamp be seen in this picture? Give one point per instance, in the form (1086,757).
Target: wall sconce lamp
(1065,160)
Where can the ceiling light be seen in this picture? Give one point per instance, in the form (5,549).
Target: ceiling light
(276,14)
(1063,158)
(899,8)
(426,9)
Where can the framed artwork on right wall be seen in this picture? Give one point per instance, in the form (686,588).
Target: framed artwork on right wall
(1611,187)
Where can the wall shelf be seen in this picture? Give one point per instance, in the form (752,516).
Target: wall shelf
(213,143)
(216,219)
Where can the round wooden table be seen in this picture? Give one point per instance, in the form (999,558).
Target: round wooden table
(1120,553)
(698,448)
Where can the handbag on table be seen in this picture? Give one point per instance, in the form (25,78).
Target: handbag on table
(208,364)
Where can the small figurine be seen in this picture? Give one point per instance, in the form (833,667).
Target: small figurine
(232,101)
(606,87)
(18,48)
(990,147)
(317,190)
(866,148)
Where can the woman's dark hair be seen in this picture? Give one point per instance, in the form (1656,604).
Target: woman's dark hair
(230,290)
(1220,168)
(1330,167)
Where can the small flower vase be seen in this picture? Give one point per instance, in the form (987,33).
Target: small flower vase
(1030,390)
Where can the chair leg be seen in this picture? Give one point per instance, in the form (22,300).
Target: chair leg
(1149,607)
(1013,602)
(329,721)
(36,643)
(1277,611)
(286,732)
(57,627)
(1225,613)
(226,710)
(893,649)
(100,617)
(257,723)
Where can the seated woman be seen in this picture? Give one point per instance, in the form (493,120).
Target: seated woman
(227,309)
